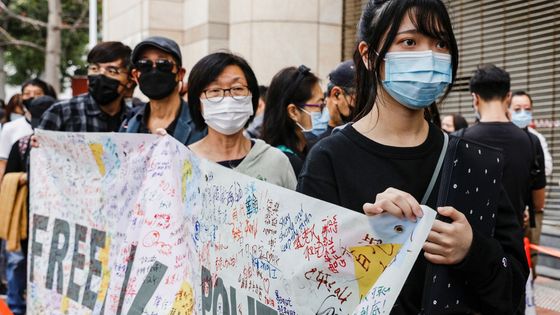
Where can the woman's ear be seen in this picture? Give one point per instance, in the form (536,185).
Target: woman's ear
(293,112)
(363,49)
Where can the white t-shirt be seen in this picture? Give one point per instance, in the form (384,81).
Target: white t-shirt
(11,132)
(547,156)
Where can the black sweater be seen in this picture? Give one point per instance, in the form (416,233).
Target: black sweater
(349,169)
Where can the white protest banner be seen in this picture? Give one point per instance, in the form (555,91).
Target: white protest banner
(135,224)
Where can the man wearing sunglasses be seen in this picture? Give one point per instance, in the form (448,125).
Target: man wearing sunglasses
(102,109)
(158,72)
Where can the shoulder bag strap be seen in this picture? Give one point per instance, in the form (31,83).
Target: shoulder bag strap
(436,170)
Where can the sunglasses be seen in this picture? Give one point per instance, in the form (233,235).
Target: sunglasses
(146,65)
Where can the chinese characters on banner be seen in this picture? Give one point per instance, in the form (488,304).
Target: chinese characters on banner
(136,224)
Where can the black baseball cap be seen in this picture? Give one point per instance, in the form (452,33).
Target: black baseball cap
(344,75)
(159,42)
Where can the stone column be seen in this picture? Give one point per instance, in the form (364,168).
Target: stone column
(273,34)
(133,20)
(205,29)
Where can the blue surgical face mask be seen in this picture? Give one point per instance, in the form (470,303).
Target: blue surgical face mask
(522,118)
(415,79)
(314,117)
(320,122)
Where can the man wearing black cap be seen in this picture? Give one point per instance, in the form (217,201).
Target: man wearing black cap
(341,96)
(158,72)
(102,109)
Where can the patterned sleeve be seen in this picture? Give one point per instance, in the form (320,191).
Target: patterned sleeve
(52,118)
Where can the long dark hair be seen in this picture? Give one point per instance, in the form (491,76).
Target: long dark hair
(382,17)
(289,86)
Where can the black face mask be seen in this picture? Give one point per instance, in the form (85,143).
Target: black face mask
(36,113)
(346,119)
(103,89)
(157,84)
(27,102)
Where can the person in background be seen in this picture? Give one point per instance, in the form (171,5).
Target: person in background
(294,101)
(158,71)
(490,88)
(13,110)
(223,95)
(14,128)
(18,161)
(254,130)
(453,122)
(341,96)
(102,109)
(129,99)
(21,127)
(520,111)
(406,58)
(36,87)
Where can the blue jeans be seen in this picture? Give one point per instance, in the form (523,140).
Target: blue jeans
(17,281)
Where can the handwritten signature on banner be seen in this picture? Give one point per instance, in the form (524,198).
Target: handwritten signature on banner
(135,224)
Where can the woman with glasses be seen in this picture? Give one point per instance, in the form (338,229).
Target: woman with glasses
(391,160)
(295,102)
(223,95)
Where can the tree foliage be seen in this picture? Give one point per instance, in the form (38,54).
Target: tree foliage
(25,25)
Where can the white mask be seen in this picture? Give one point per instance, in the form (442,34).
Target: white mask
(227,116)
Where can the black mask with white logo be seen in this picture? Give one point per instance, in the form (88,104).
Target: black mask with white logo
(157,84)
(103,89)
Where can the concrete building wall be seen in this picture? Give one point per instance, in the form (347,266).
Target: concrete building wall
(130,21)
(270,34)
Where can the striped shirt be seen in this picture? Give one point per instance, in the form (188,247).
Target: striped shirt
(81,114)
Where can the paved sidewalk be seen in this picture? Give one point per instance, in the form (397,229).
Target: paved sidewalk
(547,296)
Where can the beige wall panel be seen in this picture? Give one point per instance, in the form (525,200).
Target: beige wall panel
(278,45)
(329,50)
(193,52)
(123,25)
(287,10)
(241,11)
(219,10)
(166,15)
(195,12)
(241,39)
(330,11)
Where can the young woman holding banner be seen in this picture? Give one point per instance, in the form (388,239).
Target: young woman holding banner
(389,160)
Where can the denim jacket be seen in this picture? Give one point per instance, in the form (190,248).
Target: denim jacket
(185,131)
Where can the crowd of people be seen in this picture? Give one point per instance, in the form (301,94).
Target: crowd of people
(370,142)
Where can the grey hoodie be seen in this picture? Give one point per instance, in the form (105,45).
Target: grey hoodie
(268,164)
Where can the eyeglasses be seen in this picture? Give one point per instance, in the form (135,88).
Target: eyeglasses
(110,70)
(146,65)
(320,106)
(216,95)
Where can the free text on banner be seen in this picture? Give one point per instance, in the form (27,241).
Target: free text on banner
(136,224)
